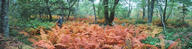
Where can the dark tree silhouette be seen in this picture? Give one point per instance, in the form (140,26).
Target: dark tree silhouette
(109,18)
(4,25)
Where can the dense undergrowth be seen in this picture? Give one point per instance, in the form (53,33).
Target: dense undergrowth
(84,35)
(19,26)
(81,34)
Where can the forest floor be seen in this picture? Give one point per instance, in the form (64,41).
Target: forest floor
(138,32)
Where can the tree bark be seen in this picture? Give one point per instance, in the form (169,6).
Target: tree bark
(163,17)
(1,18)
(69,10)
(143,13)
(70,6)
(69,14)
(150,10)
(183,18)
(40,15)
(106,14)
(129,9)
(148,1)
(76,9)
(94,12)
(160,8)
(164,12)
(4,28)
(129,13)
(50,15)
(49,11)
(144,9)
(112,14)
(170,12)
(109,20)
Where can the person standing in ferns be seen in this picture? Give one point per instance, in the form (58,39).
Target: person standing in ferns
(59,22)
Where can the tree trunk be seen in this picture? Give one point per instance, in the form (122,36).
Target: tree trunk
(106,14)
(112,14)
(144,9)
(137,15)
(70,6)
(160,8)
(170,12)
(129,13)
(109,20)
(99,12)
(183,18)
(148,1)
(50,15)
(69,10)
(4,28)
(150,10)
(164,12)
(94,12)
(1,16)
(40,15)
(143,13)
(163,17)
(69,14)
(130,9)
(49,11)
(76,9)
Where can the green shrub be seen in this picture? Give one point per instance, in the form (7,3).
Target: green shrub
(151,40)
(140,22)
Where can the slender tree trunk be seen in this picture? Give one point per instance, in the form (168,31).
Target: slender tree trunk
(70,6)
(1,16)
(164,12)
(50,15)
(183,18)
(150,14)
(129,13)
(144,8)
(76,9)
(112,14)
(62,13)
(160,8)
(4,28)
(129,9)
(149,7)
(106,14)
(69,10)
(137,16)
(173,1)
(94,12)
(165,9)
(49,11)
(163,17)
(40,15)
(99,11)
(143,13)
(69,14)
